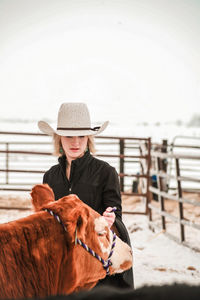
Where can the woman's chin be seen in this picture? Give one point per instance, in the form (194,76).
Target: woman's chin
(75,154)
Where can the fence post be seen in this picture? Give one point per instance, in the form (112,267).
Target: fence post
(121,163)
(163,166)
(7,163)
(148,193)
(164,150)
(180,204)
(160,187)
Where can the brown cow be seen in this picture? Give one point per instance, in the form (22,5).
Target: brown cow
(39,258)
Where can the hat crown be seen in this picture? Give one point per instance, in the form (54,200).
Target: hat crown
(73,115)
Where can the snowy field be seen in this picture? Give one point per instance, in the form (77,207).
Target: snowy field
(157,259)
(128,128)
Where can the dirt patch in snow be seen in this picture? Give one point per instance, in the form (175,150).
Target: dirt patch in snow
(14,205)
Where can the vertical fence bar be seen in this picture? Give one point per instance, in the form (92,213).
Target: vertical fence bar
(180,204)
(148,193)
(164,150)
(7,163)
(163,165)
(160,186)
(121,163)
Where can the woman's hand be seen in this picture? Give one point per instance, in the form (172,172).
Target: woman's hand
(109,216)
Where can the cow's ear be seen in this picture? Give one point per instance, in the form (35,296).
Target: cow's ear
(81,225)
(76,225)
(41,195)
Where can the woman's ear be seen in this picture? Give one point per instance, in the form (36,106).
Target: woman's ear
(41,195)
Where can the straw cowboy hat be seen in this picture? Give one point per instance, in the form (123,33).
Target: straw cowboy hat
(73,120)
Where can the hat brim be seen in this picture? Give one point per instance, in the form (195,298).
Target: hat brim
(47,129)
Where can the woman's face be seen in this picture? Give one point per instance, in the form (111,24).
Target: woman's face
(74,146)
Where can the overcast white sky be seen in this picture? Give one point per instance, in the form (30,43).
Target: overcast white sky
(128,59)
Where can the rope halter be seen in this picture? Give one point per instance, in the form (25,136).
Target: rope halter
(106,263)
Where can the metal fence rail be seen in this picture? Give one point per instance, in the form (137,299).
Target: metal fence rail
(24,157)
(23,161)
(159,208)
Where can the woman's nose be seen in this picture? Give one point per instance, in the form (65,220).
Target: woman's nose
(75,140)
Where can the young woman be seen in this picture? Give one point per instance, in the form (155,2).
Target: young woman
(93,180)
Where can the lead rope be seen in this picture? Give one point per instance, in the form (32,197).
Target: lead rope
(106,263)
(56,217)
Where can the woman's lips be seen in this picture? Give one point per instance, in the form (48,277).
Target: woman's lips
(74,149)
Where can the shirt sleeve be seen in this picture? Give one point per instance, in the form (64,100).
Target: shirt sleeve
(111,191)
(112,197)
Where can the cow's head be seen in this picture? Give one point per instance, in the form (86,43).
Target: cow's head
(73,215)
(92,229)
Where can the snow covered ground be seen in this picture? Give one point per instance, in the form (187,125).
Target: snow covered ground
(157,259)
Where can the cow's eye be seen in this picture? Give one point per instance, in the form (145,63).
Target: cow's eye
(101,233)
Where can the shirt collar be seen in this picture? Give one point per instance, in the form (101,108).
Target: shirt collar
(76,162)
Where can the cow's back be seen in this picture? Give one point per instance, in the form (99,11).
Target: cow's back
(31,253)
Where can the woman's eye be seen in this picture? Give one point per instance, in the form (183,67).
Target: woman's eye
(81,137)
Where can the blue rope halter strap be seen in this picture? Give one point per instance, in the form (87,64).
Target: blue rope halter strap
(106,263)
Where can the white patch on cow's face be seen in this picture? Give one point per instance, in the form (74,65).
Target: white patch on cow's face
(100,224)
(122,254)
(100,227)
